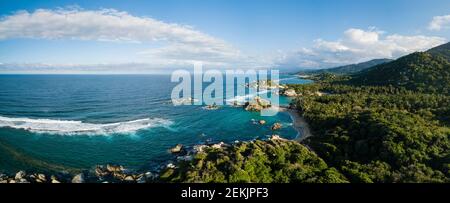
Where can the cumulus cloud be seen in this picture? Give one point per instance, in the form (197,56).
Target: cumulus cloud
(439,22)
(182,43)
(358,45)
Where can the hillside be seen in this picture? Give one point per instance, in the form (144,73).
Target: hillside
(387,124)
(349,69)
(379,134)
(442,51)
(419,71)
(275,160)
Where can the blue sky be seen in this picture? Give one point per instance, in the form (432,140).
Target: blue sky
(247,33)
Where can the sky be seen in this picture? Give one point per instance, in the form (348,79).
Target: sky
(142,36)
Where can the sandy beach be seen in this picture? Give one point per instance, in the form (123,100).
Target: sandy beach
(299,124)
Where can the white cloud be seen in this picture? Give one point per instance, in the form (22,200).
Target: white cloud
(439,22)
(115,68)
(180,43)
(358,45)
(361,37)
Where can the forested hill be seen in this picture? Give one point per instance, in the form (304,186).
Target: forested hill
(442,51)
(421,71)
(352,68)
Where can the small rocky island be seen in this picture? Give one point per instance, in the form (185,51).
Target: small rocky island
(257,104)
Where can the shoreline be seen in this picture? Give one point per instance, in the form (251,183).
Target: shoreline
(299,124)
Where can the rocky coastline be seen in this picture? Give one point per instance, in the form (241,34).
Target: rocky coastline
(112,173)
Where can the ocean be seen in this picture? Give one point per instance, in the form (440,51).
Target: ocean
(59,122)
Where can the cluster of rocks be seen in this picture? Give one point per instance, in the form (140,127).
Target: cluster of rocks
(116,173)
(101,174)
(23,177)
(265,85)
(275,126)
(187,153)
(257,104)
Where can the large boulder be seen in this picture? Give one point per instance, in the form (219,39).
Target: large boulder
(276,126)
(101,171)
(177,149)
(54,179)
(114,168)
(78,178)
(20,175)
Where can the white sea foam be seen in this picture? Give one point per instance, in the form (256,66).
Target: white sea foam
(245,98)
(68,127)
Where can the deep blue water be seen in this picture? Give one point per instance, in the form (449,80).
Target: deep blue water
(83,120)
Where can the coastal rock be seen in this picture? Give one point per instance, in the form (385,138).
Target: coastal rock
(114,168)
(3,178)
(41,177)
(177,149)
(264,84)
(150,176)
(276,126)
(218,145)
(257,104)
(20,175)
(78,178)
(55,181)
(129,179)
(211,107)
(199,148)
(23,180)
(185,158)
(170,165)
(101,171)
(119,175)
(277,137)
(142,179)
(39,181)
(289,93)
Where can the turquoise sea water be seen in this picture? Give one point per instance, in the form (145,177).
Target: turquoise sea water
(79,121)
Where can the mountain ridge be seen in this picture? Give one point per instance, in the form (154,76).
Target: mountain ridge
(420,71)
(351,68)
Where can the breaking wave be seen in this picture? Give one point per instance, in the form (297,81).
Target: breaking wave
(79,127)
(247,97)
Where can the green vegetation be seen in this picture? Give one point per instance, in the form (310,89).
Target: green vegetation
(279,161)
(420,72)
(380,134)
(389,123)
(441,51)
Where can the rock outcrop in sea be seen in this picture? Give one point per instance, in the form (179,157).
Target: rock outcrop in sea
(257,104)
